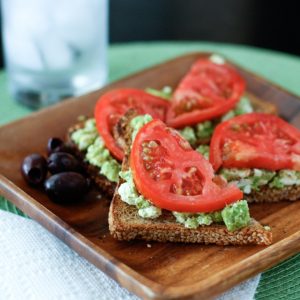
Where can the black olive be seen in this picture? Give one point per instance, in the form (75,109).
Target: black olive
(57,145)
(34,169)
(66,188)
(63,162)
(53,144)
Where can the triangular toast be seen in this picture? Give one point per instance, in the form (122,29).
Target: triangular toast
(126,224)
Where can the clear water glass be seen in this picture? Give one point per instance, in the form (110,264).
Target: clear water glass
(54,49)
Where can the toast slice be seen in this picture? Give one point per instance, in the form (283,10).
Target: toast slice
(126,224)
(101,182)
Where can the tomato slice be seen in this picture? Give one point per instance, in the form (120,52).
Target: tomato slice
(255,140)
(209,90)
(169,173)
(114,104)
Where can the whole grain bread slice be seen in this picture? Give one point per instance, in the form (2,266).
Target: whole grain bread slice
(268,194)
(126,224)
(101,182)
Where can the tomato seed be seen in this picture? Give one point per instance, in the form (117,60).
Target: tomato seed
(152,144)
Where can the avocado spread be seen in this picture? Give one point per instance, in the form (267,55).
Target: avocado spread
(88,139)
(200,131)
(243,107)
(85,136)
(165,92)
(234,216)
(204,130)
(204,150)
(137,123)
(130,195)
(253,179)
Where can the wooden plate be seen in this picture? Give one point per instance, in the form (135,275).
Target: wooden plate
(161,270)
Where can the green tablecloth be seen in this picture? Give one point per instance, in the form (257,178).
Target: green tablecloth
(280,282)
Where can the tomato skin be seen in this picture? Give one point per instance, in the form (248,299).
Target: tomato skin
(255,140)
(211,88)
(179,159)
(114,104)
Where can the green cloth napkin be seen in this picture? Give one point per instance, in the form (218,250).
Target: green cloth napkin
(280,282)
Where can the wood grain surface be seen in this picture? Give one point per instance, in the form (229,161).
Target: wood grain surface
(163,270)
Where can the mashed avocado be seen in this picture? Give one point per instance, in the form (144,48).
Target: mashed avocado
(243,107)
(130,195)
(253,179)
(165,92)
(98,155)
(190,220)
(234,216)
(201,131)
(285,178)
(110,169)
(248,179)
(138,122)
(204,130)
(204,150)
(189,134)
(88,138)
(85,136)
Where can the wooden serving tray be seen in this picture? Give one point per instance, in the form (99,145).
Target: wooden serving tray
(161,270)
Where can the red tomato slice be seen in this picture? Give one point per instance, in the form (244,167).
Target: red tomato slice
(255,140)
(208,91)
(168,172)
(113,105)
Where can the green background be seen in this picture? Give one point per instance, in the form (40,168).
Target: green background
(280,282)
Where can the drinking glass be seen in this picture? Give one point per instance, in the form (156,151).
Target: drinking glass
(54,48)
